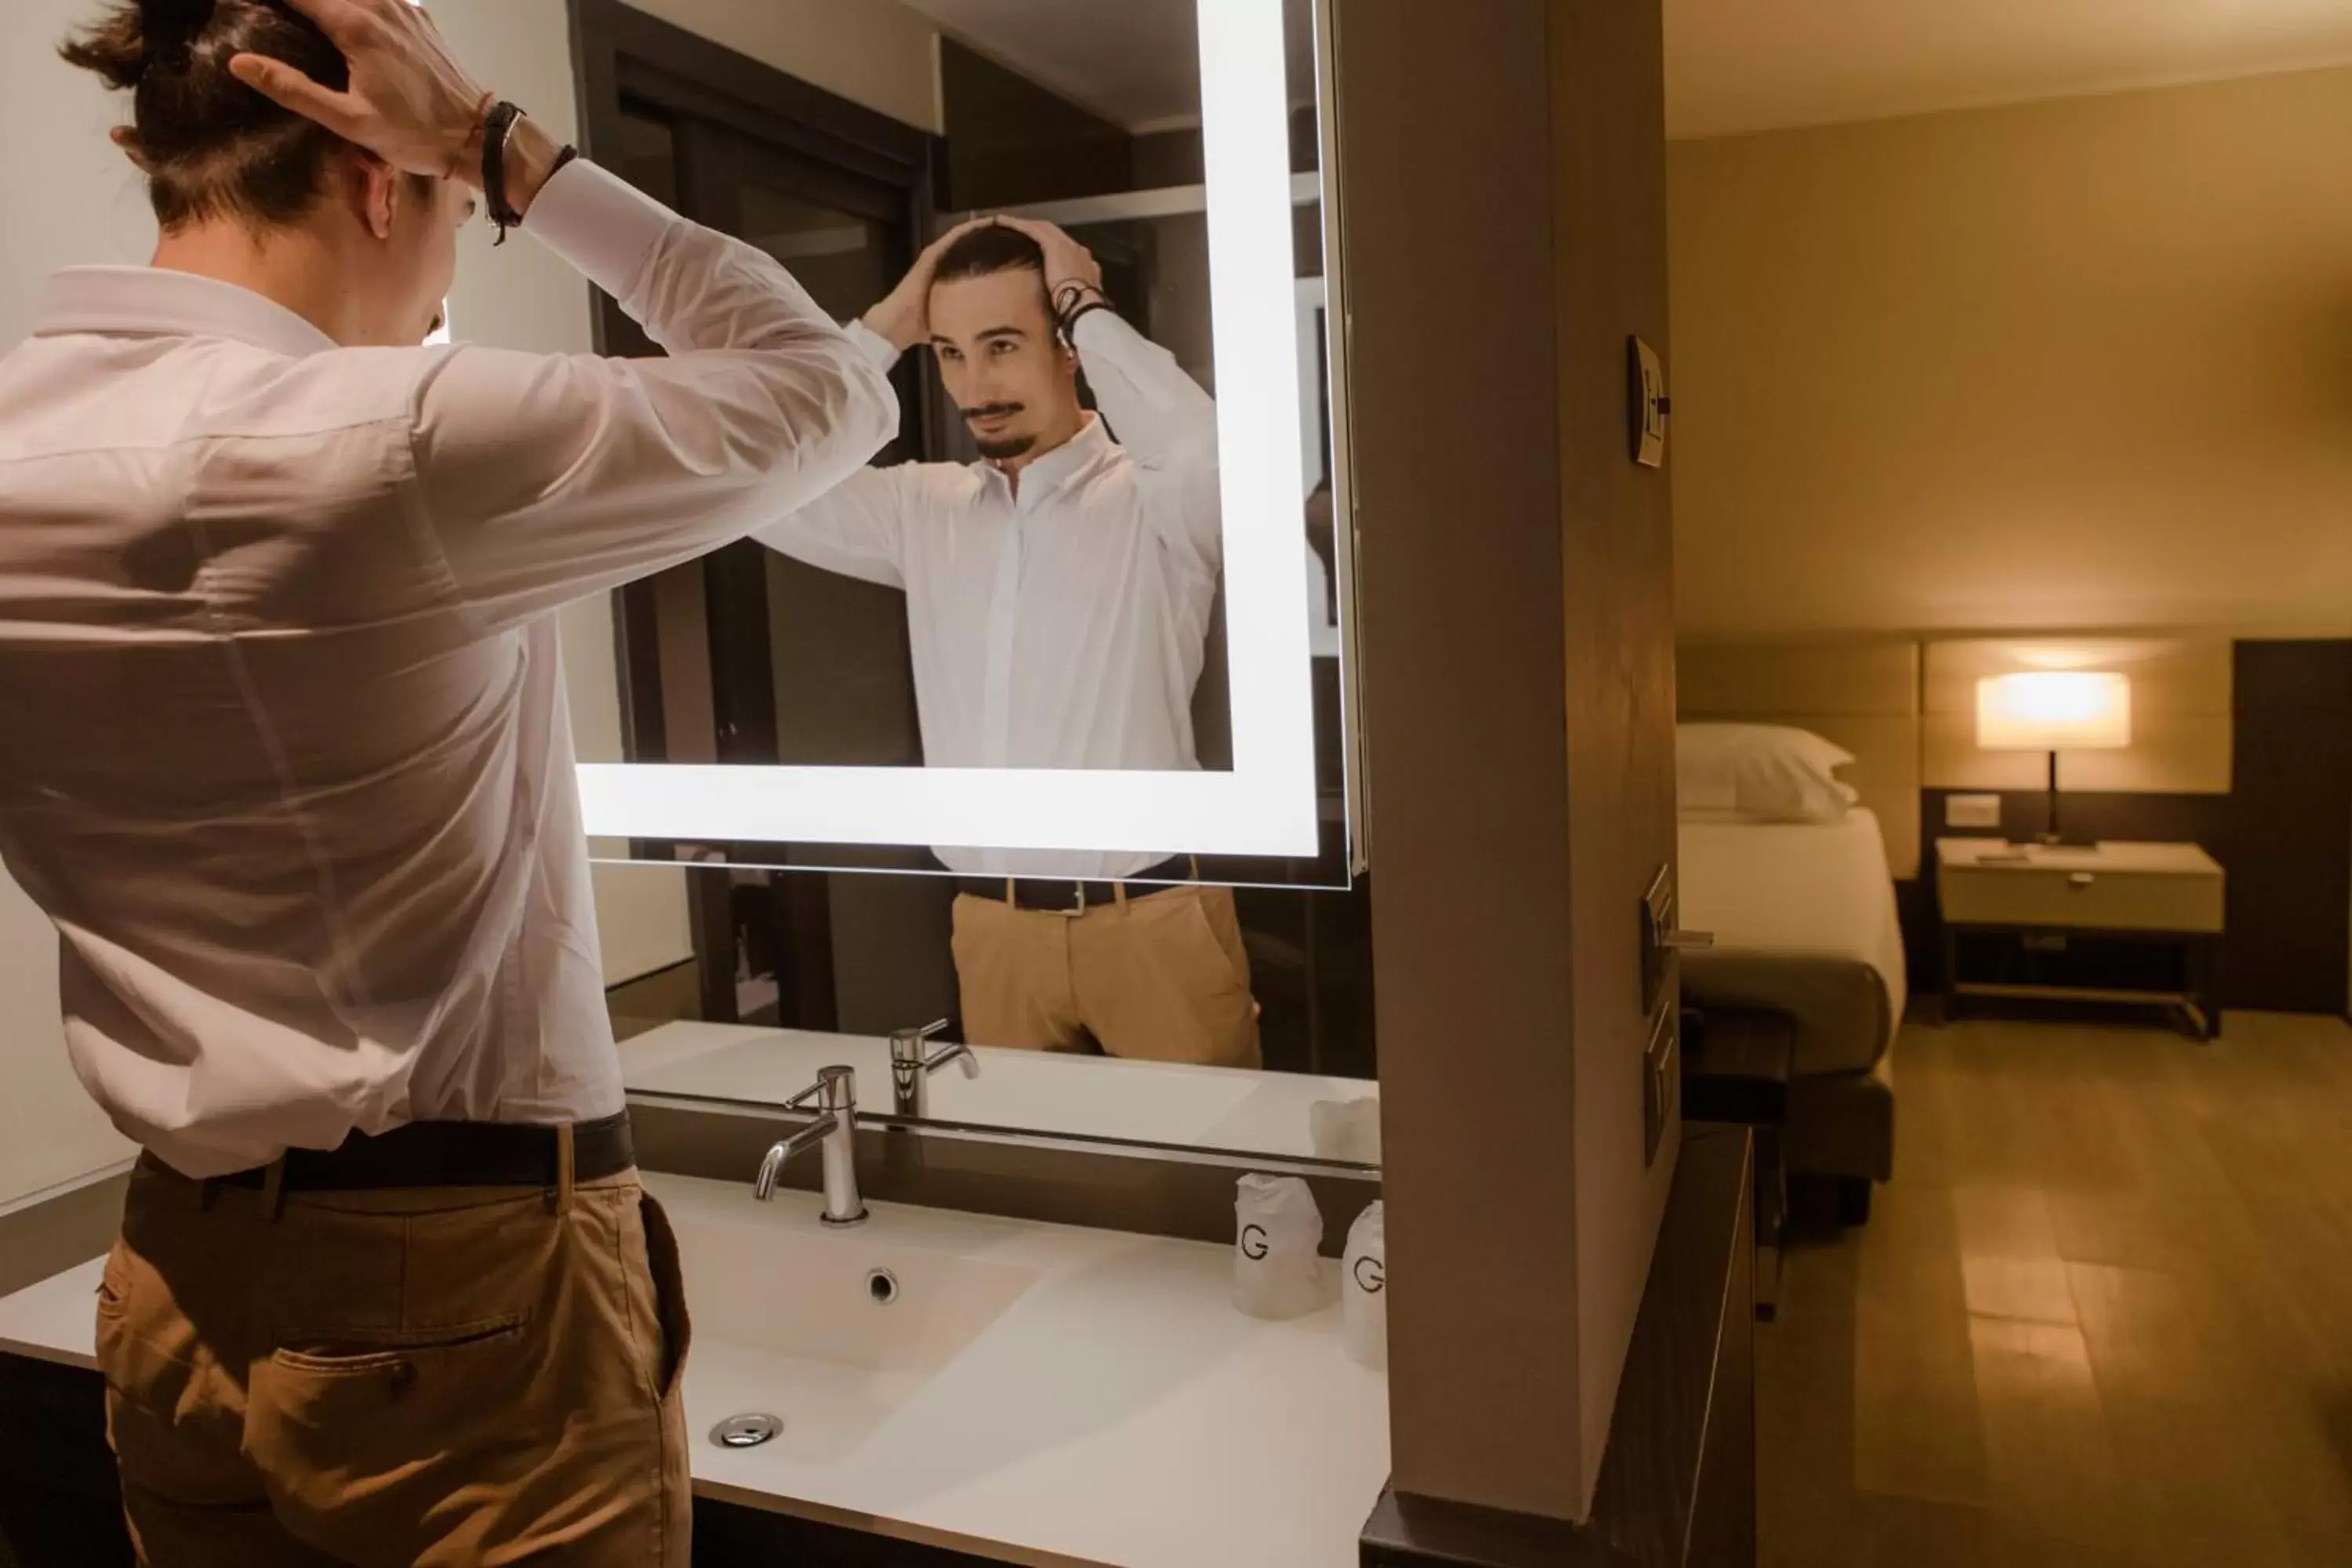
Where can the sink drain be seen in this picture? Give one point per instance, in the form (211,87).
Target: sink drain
(882,1286)
(746,1431)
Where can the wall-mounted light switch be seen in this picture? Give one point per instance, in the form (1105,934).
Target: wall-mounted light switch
(1661,1071)
(1657,939)
(1972,811)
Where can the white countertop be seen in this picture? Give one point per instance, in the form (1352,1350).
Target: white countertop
(1168,1103)
(1114,1409)
(57,1319)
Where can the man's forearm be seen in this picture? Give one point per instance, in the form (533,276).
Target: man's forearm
(875,344)
(1161,414)
(532,152)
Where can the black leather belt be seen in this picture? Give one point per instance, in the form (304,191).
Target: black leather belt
(1060,897)
(454,1154)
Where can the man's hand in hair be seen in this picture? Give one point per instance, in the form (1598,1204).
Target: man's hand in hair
(903,319)
(410,102)
(1067,263)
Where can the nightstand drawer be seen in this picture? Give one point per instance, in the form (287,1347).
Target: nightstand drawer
(2083,900)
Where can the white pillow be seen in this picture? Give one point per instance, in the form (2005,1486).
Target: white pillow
(1762,772)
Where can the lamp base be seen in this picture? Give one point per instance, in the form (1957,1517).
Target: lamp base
(2052,836)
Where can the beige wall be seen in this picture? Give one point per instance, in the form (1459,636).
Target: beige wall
(1471,933)
(2080,364)
(1609,205)
(874,52)
(1519,817)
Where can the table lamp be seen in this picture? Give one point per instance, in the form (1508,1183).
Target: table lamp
(2053,711)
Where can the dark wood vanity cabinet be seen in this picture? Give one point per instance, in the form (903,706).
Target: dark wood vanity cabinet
(60,1506)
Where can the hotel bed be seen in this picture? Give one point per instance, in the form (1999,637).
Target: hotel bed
(1805,925)
(1803,913)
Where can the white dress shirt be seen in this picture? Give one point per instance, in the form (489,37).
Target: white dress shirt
(1058,624)
(283,741)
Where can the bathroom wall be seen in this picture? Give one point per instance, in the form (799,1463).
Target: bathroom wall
(90,208)
(1518,660)
(1609,205)
(874,52)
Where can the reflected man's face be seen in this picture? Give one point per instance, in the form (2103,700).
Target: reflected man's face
(1003,365)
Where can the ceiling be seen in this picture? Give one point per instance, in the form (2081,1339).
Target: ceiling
(1137,63)
(1735,66)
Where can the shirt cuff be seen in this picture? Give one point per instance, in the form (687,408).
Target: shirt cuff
(873,345)
(605,226)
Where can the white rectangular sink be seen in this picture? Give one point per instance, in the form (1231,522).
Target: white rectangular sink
(840,1296)
(849,1325)
(1034,1393)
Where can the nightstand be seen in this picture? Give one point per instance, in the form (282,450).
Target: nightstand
(2110,922)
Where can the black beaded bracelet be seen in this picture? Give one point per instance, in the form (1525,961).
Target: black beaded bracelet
(1070,323)
(1073,303)
(497,130)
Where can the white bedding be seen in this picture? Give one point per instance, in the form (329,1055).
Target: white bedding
(1804,923)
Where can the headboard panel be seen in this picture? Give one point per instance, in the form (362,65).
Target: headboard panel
(1861,693)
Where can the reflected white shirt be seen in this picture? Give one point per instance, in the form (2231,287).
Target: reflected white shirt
(1061,623)
(283,743)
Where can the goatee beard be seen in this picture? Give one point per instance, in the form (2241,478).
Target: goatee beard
(1007,449)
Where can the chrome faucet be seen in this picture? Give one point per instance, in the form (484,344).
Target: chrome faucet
(836,1132)
(911,1069)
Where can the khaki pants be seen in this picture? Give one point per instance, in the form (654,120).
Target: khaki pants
(426,1379)
(1157,976)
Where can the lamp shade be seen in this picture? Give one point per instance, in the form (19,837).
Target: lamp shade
(2055,710)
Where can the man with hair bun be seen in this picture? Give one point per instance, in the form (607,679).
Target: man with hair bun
(288,763)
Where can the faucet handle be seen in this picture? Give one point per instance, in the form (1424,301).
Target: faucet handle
(835,1089)
(906,1039)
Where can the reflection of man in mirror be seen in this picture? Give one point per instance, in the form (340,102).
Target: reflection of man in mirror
(1058,593)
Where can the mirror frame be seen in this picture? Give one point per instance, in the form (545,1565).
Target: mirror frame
(1266,805)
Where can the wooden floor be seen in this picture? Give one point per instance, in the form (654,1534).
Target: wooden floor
(2103,1315)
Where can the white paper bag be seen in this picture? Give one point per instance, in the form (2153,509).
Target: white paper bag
(1363,1290)
(1277,1270)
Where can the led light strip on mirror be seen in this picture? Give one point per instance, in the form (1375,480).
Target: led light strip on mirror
(1266,805)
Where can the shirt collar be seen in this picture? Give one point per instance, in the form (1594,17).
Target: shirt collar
(155,301)
(1057,468)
